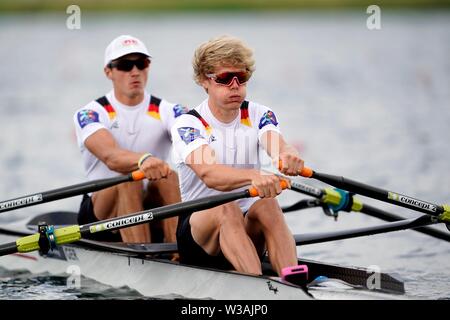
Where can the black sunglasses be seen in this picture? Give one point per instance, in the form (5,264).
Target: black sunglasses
(226,78)
(127,65)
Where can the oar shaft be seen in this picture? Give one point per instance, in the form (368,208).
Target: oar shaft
(308,190)
(379,194)
(380,214)
(312,238)
(170,211)
(163,212)
(325,196)
(66,192)
(8,248)
(74,233)
(302,204)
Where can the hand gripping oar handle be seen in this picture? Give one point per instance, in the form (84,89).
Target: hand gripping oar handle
(304,172)
(137,175)
(69,191)
(74,233)
(254,193)
(442,212)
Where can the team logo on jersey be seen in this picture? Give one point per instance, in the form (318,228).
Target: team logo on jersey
(189,134)
(212,138)
(178,110)
(115,125)
(268,118)
(87,116)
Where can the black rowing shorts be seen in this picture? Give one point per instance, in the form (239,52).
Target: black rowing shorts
(191,253)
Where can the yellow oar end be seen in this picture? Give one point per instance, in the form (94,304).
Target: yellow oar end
(332,197)
(445,217)
(28,243)
(357,205)
(62,235)
(67,234)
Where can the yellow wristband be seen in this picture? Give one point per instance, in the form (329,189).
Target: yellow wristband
(144,157)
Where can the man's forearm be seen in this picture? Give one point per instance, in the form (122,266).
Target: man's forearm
(122,161)
(222,177)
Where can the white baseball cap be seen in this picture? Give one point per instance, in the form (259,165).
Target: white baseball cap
(123,45)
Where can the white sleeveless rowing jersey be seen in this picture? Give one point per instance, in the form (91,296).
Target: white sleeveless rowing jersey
(236,144)
(141,128)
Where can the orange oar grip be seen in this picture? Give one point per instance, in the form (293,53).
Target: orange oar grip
(306,172)
(137,175)
(254,193)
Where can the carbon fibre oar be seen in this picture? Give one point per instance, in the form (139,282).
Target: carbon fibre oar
(69,191)
(51,238)
(302,204)
(336,199)
(312,238)
(442,212)
(388,216)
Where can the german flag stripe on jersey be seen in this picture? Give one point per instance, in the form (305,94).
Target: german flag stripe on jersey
(206,125)
(245,118)
(194,113)
(103,101)
(153,108)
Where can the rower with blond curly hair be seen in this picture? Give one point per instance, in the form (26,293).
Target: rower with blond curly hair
(217,148)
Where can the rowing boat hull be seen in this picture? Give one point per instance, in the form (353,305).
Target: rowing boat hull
(130,265)
(151,277)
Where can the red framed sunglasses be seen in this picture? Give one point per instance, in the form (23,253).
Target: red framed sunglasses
(226,78)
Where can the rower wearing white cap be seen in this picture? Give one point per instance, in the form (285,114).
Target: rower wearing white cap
(125,130)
